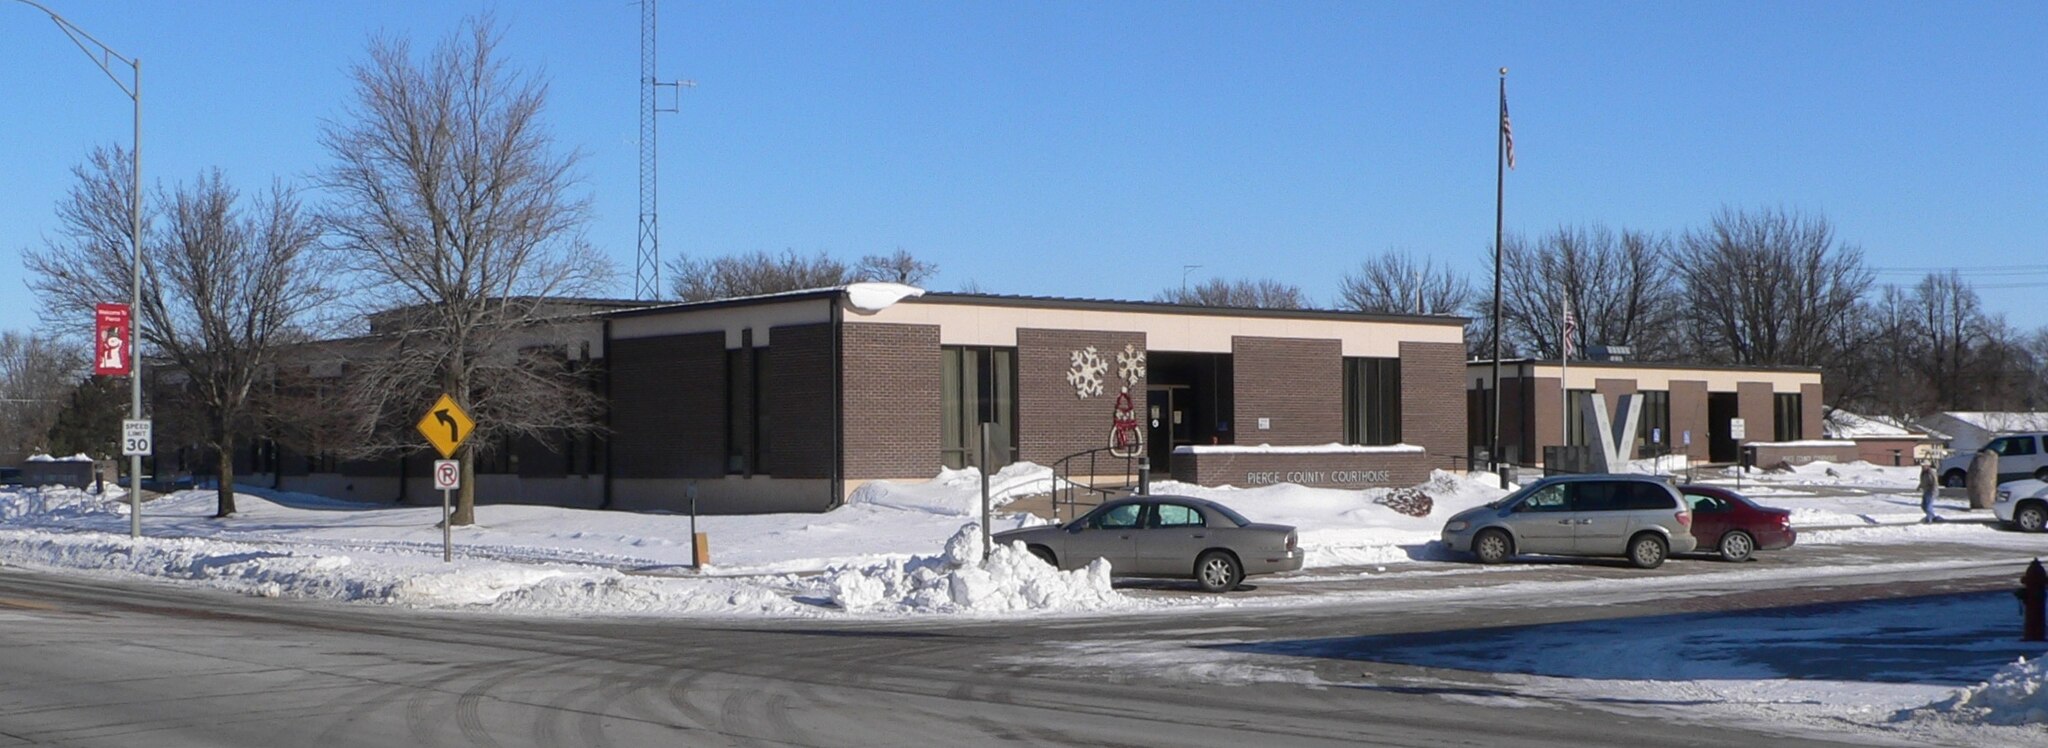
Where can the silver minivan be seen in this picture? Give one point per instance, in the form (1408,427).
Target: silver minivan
(1635,516)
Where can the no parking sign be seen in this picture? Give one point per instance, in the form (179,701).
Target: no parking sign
(447,475)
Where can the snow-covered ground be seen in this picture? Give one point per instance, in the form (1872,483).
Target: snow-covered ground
(1898,671)
(547,559)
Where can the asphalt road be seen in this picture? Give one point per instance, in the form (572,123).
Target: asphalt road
(95,663)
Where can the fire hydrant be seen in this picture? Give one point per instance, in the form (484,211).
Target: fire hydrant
(2033,595)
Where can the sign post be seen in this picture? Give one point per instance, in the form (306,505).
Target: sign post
(1738,430)
(447,477)
(445,426)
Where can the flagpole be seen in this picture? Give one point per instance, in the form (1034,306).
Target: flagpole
(1500,177)
(1564,368)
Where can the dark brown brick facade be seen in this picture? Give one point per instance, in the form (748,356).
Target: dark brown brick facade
(1753,405)
(1052,420)
(1297,385)
(797,402)
(668,406)
(892,385)
(1689,417)
(1432,411)
(1809,411)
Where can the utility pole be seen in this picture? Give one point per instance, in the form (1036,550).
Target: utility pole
(647,266)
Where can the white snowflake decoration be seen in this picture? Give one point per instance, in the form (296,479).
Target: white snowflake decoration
(1130,365)
(1086,373)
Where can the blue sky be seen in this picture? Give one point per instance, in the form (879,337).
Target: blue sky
(1096,149)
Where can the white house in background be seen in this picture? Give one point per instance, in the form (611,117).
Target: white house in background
(1880,440)
(1969,430)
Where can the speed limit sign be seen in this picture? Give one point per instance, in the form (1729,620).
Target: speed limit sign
(447,475)
(135,438)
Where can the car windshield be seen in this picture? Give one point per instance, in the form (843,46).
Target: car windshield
(1511,498)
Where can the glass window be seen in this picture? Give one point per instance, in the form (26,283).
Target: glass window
(1653,431)
(1178,515)
(1786,412)
(2015,445)
(1117,518)
(1598,497)
(1229,514)
(1372,401)
(1578,403)
(1636,495)
(979,386)
(1706,504)
(1546,499)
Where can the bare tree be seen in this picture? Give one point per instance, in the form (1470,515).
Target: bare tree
(1243,294)
(1397,283)
(754,274)
(1771,288)
(897,267)
(452,203)
(36,379)
(1619,286)
(226,284)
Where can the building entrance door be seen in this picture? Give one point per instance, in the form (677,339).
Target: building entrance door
(1721,446)
(1167,424)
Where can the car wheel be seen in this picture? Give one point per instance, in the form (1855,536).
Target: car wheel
(1045,554)
(1737,546)
(1647,551)
(1955,479)
(1493,546)
(1218,571)
(2031,518)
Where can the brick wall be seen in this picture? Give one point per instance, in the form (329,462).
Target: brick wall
(1809,411)
(1689,413)
(892,385)
(1319,470)
(1298,385)
(1433,398)
(668,406)
(797,400)
(1754,406)
(1053,421)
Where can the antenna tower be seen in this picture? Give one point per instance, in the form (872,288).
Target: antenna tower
(647,267)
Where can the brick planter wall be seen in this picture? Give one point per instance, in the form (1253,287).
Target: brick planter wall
(1245,469)
(1794,453)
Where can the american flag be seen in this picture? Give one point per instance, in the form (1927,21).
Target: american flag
(1507,131)
(1571,329)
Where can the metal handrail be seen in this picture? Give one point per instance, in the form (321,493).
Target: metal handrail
(1066,489)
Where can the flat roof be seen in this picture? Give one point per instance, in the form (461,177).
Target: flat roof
(1056,302)
(1662,365)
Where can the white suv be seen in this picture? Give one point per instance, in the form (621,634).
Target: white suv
(2020,456)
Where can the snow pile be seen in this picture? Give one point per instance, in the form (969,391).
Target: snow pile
(960,581)
(1345,527)
(957,492)
(80,457)
(1825,473)
(2016,695)
(57,503)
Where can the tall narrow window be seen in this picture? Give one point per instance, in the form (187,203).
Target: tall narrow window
(1372,401)
(738,395)
(1578,404)
(1786,409)
(979,386)
(1653,431)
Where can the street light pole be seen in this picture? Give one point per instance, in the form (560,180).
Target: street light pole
(134,90)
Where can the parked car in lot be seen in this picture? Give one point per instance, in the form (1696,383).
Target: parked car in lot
(1634,516)
(2023,504)
(2019,456)
(1728,523)
(1175,537)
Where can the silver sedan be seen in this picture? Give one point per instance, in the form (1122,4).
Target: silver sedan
(1175,537)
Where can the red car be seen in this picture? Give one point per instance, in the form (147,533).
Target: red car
(1732,525)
